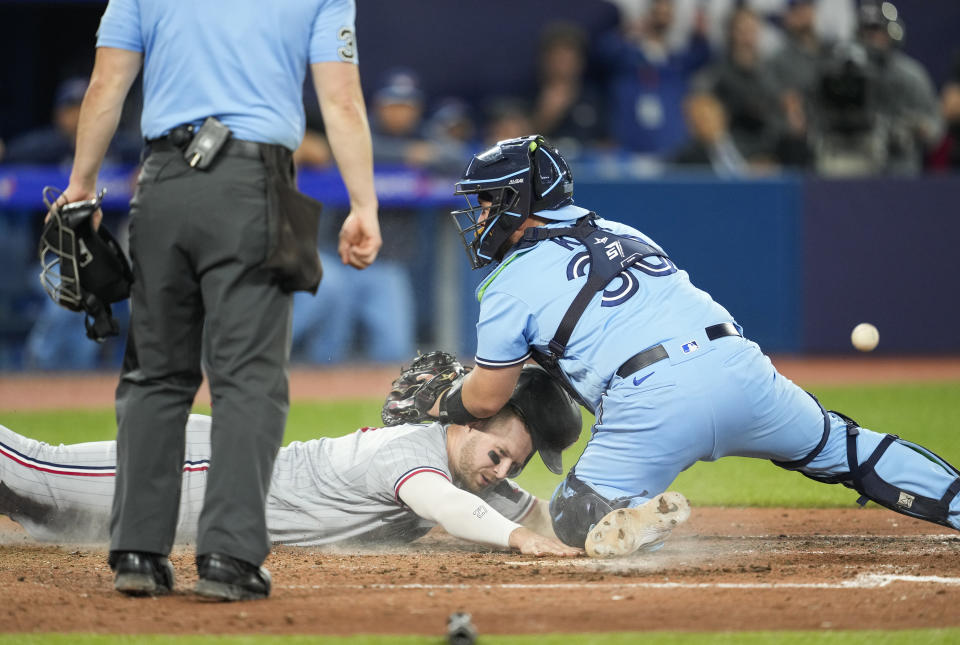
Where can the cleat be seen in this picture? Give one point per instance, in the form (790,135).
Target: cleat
(628,530)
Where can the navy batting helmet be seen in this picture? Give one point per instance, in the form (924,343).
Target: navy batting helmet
(519,177)
(551,416)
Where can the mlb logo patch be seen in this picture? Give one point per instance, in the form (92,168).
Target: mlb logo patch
(906,500)
(691,347)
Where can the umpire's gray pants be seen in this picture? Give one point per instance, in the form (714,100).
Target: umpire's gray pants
(197,239)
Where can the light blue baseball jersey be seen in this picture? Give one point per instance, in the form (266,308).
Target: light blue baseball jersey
(242,61)
(523,301)
(706,400)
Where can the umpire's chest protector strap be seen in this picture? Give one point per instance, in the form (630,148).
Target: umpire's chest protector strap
(610,255)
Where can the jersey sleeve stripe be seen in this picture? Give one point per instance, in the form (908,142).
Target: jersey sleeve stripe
(501,364)
(95,471)
(410,473)
(80,471)
(21,458)
(50,467)
(531,504)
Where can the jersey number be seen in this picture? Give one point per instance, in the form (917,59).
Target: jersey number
(349,49)
(625,285)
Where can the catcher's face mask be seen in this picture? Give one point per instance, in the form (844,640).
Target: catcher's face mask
(487,223)
(503,186)
(82,269)
(59,250)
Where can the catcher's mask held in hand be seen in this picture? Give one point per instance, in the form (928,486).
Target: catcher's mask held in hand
(82,269)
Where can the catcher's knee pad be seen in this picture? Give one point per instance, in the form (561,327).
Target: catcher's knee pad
(864,478)
(576,508)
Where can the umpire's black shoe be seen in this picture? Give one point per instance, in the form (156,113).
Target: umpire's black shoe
(223,577)
(141,574)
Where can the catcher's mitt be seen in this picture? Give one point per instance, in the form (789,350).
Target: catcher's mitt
(418,387)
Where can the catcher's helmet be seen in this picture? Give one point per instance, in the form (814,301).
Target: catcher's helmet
(551,416)
(520,177)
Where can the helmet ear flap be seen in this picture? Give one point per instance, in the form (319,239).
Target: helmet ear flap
(551,181)
(543,173)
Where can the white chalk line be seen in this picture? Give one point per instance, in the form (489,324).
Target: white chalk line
(863,581)
(830,536)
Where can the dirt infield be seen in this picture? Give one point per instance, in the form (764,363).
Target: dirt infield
(95,390)
(727,569)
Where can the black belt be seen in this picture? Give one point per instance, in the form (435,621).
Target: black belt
(232,148)
(657,353)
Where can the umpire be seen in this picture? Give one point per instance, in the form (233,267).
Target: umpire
(222,82)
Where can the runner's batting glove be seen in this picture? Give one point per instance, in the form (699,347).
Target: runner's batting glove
(418,387)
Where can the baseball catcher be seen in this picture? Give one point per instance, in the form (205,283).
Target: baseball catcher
(83,267)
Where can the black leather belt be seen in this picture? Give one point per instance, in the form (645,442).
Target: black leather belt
(180,137)
(657,353)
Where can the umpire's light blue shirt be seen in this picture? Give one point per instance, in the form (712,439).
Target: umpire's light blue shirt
(242,61)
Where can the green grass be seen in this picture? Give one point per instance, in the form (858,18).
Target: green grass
(923,413)
(911,637)
(927,414)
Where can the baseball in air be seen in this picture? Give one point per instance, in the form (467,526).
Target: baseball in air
(865,337)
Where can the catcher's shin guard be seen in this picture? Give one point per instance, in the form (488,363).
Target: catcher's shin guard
(864,478)
(576,508)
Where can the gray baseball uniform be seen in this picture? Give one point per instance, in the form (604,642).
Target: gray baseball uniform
(323,491)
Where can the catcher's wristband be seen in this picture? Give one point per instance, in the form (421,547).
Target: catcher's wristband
(451,406)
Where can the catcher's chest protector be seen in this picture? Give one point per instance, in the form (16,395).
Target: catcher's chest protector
(610,255)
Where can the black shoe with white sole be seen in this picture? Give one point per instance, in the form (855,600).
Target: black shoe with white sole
(141,574)
(222,577)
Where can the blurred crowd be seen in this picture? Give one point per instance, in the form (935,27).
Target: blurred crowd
(736,88)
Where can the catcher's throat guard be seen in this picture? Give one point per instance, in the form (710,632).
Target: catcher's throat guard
(82,269)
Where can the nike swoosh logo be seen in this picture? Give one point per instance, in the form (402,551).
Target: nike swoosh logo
(637,380)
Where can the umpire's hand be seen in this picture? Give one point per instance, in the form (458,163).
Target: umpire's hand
(76,193)
(360,239)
